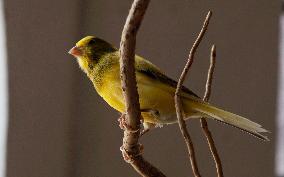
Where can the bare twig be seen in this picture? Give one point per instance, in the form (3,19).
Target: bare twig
(131,149)
(178,104)
(203,121)
(207,93)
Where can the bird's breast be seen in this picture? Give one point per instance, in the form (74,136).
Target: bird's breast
(152,95)
(109,88)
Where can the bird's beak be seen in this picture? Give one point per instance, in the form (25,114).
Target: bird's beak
(76,51)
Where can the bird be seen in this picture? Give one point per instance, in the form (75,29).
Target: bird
(100,61)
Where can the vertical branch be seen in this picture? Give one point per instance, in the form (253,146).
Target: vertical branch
(203,121)
(131,149)
(210,73)
(178,103)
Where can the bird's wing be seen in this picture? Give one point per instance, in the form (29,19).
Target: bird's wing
(145,67)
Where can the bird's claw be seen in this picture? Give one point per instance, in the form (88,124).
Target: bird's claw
(124,126)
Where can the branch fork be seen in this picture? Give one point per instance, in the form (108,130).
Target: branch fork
(131,122)
(203,122)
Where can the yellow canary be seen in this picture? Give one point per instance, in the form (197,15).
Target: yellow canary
(100,61)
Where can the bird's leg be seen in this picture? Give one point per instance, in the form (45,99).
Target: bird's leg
(146,128)
(146,125)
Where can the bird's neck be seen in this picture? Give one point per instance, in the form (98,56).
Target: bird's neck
(105,65)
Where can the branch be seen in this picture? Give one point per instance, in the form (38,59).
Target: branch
(203,121)
(131,149)
(207,93)
(178,104)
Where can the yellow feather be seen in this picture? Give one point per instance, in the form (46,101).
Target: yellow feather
(100,61)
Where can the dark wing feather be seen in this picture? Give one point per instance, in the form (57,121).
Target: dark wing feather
(152,71)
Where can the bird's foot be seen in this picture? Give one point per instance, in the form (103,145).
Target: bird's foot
(146,128)
(144,131)
(146,125)
(124,126)
(121,121)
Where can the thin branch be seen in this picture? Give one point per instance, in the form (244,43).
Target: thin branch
(209,81)
(203,121)
(131,149)
(178,104)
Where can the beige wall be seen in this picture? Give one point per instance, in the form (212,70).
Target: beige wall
(60,127)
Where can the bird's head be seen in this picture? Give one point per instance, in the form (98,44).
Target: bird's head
(89,51)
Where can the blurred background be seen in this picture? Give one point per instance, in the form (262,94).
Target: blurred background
(54,124)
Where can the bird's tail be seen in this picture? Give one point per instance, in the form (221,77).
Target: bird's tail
(240,122)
